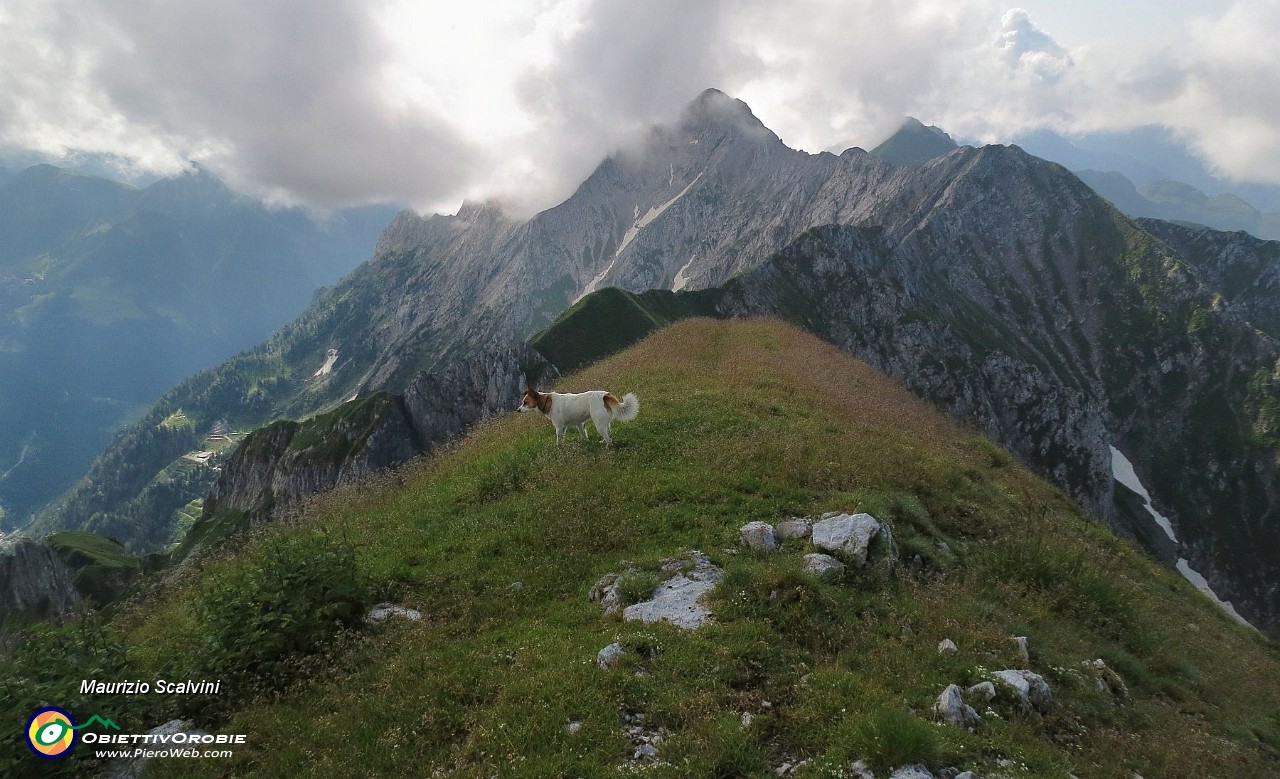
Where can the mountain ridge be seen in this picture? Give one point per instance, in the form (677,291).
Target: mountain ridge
(485,555)
(997,284)
(110,293)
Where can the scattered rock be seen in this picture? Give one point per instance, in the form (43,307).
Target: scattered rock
(573,727)
(847,535)
(1031,687)
(758,537)
(608,593)
(982,691)
(746,719)
(645,741)
(516,586)
(967,775)
(912,772)
(609,656)
(385,610)
(951,709)
(790,766)
(1023,654)
(1107,679)
(947,647)
(796,527)
(133,767)
(822,563)
(678,600)
(686,562)
(861,770)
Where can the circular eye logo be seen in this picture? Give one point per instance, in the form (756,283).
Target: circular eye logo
(50,733)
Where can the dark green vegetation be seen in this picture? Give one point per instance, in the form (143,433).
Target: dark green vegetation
(607,321)
(742,421)
(103,568)
(110,294)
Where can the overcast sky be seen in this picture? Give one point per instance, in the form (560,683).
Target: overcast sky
(334,102)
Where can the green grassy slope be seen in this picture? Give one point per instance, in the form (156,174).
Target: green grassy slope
(103,567)
(499,540)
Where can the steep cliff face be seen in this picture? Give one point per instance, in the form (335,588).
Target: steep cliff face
(279,465)
(1244,270)
(1028,306)
(285,461)
(992,282)
(1061,355)
(34,583)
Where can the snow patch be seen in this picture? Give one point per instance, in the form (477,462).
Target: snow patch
(631,233)
(1122,471)
(681,280)
(1193,576)
(330,358)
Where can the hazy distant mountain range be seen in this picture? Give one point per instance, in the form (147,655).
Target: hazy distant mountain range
(1147,172)
(991,282)
(110,293)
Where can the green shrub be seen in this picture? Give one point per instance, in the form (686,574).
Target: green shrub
(637,586)
(45,669)
(295,593)
(891,738)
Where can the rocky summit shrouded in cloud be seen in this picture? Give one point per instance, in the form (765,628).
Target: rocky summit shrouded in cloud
(338,102)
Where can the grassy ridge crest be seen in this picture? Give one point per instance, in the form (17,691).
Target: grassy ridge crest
(499,538)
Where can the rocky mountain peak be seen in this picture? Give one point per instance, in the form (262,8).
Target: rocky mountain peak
(714,112)
(479,209)
(914,143)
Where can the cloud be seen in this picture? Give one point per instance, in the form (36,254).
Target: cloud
(1024,46)
(1225,98)
(282,98)
(626,66)
(331,102)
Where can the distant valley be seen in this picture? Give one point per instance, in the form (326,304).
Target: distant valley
(109,294)
(994,284)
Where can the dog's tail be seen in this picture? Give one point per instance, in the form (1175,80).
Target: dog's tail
(624,410)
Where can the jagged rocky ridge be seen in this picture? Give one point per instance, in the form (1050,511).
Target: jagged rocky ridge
(1167,375)
(1137,352)
(990,281)
(279,465)
(35,583)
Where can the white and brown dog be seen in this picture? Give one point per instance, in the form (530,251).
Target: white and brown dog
(573,409)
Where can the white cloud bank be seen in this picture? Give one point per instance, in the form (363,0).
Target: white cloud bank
(332,102)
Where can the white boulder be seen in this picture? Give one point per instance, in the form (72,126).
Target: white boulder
(951,709)
(822,563)
(758,537)
(847,535)
(1031,687)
